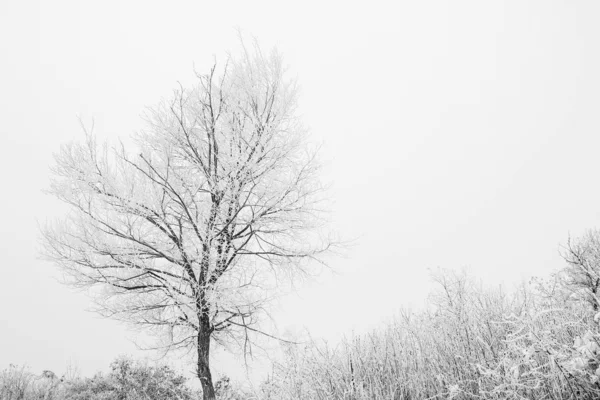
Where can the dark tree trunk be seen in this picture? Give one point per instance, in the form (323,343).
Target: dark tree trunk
(208,390)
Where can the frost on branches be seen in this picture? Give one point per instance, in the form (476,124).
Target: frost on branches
(189,234)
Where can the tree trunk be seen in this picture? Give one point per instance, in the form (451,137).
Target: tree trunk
(208,390)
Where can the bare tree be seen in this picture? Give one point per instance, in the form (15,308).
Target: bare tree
(581,275)
(188,235)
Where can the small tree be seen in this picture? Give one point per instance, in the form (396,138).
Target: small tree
(188,235)
(581,275)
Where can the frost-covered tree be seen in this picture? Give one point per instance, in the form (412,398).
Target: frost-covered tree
(581,275)
(188,234)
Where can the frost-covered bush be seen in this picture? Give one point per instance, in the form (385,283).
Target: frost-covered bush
(131,380)
(227,390)
(19,383)
(127,380)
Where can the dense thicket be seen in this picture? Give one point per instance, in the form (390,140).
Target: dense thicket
(540,341)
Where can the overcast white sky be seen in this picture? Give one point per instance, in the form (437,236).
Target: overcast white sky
(456,133)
